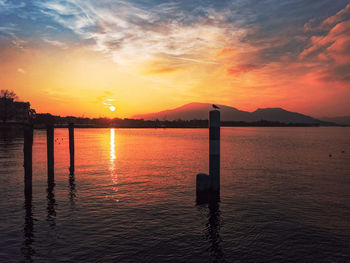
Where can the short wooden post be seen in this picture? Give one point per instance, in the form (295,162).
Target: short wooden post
(50,152)
(202,183)
(203,188)
(28,159)
(214,149)
(71,147)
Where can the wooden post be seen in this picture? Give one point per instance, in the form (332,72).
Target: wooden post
(202,183)
(28,160)
(214,149)
(71,147)
(208,187)
(203,188)
(50,152)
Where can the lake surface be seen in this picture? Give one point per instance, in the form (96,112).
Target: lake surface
(132,198)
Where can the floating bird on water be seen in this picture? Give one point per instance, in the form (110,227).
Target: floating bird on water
(215,107)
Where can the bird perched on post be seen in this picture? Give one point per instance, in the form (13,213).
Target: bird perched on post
(215,107)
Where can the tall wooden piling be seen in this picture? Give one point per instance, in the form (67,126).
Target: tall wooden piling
(214,149)
(71,147)
(50,152)
(208,186)
(28,159)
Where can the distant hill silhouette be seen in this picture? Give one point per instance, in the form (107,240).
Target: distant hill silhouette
(199,111)
(342,120)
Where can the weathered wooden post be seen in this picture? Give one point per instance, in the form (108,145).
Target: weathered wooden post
(28,159)
(50,152)
(71,147)
(50,171)
(214,150)
(208,187)
(28,169)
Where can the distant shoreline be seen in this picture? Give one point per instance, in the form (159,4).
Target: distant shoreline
(157,126)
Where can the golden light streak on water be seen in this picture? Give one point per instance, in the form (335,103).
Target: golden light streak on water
(112,162)
(112,151)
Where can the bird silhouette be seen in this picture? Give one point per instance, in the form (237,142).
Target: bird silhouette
(215,107)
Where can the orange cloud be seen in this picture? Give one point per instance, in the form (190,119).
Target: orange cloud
(313,26)
(225,52)
(162,70)
(241,69)
(341,15)
(331,52)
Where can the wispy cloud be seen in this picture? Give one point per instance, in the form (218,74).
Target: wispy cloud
(55,43)
(129,33)
(21,70)
(8,30)
(7,5)
(18,42)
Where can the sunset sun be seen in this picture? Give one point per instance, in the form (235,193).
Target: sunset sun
(111,108)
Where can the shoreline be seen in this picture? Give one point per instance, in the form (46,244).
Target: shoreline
(223,125)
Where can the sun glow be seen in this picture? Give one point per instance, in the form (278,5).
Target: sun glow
(112,108)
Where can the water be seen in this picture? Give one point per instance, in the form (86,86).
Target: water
(132,198)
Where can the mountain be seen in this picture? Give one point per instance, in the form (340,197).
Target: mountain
(281,115)
(200,111)
(342,120)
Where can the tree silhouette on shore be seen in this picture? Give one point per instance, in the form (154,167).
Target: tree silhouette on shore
(6,94)
(6,98)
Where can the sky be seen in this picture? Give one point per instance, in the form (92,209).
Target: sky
(84,57)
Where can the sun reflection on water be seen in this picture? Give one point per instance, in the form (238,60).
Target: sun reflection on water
(112,151)
(112,162)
